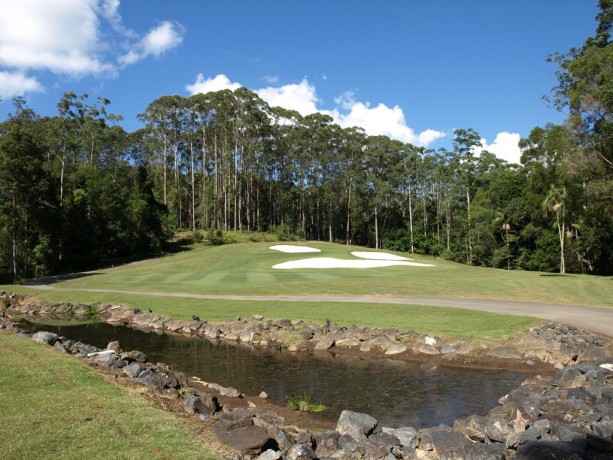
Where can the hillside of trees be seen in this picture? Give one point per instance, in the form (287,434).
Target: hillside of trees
(77,190)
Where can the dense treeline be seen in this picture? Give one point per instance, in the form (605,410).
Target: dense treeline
(77,189)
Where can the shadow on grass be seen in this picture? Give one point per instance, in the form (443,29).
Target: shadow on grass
(555,274)
(57,278)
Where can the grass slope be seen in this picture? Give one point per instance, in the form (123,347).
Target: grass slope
(53,406)
(246,269)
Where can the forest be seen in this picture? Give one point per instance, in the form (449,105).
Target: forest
(77,190)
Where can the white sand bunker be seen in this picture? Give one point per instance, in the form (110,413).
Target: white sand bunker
(293,249)
(377,256)
(329,262)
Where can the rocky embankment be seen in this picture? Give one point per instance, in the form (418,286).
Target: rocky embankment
(568,414)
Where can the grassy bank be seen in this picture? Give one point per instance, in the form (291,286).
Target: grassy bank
(53,406)
(447,322)
(246,269)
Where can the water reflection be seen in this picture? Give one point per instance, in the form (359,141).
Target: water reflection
(395,392)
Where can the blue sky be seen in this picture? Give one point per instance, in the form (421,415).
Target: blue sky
(413,70)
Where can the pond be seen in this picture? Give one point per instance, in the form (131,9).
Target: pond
(396,393)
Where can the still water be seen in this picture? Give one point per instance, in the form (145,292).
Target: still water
(395,392)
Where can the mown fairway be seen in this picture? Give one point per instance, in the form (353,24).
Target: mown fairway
(246,269)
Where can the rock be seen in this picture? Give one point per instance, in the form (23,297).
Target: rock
(248,440)
(603,429)
(481,452)
(193,405)
(327,443)
(263,395)
(133,370)
(395,349)
(225,391)
(283,439)
(325,344)
(348,343)
(108,359)
(134,356)
(472,427)
(444,441)
(407,436)
(426,349)
(115,346)
(46,338)
(498,431)
(355,424)
(550,450)
(270,455)
(304,437)
(301,452)
(155,380)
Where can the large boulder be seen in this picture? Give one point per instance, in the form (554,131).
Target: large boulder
(47,338)
(247,440)
(355,424)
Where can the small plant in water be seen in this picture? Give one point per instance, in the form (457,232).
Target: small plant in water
(304,404)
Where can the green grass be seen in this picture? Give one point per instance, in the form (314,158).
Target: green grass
(246,269)
(447,322)
(304,404)
(54,406)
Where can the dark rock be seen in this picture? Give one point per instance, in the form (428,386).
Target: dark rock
(194,405)
(542,450)
(46,338)
(283,439)
(134,356)
(444,441)
(326,443)
(472,427)
(603,429)
(133,370)
(304,437)
(155,380)
(84,350)
(357,425)
(61,347)
(498,430)
(592,354)
(301,452)
(240,417)
(248,440)
(483,452)
(379,445)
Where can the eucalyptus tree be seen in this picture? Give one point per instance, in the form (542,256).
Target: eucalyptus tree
(464,142)
(164,122)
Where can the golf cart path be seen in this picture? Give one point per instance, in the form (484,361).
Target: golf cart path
(593,318)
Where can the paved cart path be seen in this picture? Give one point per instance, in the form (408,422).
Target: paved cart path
(598,319)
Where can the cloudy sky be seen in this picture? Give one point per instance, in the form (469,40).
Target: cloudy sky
(412,70)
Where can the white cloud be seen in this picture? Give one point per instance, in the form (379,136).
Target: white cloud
(72,38)
(160,39)
(380,120)
(208,85)
(302,97)
(60,36)
(505,147)
(17,84)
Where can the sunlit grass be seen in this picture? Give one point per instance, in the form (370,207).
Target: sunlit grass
(246,269)
(54,406)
